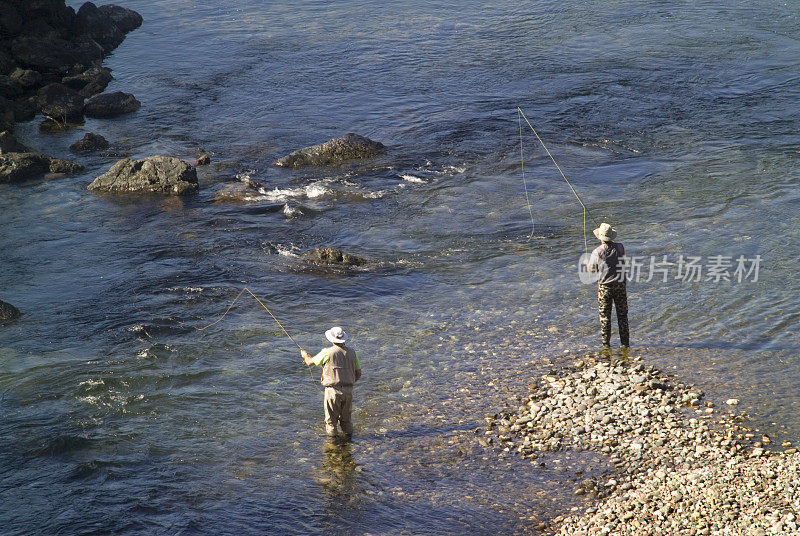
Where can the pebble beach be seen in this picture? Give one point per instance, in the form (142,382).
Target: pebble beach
(678,464)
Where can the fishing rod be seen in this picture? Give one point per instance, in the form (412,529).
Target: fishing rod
(265,308)
(520,116)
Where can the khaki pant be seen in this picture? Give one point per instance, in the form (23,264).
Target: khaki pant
(338,407)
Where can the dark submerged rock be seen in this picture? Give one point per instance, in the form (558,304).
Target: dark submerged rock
(8,313)
(89,143)
(60,103)
(332,256)
(111,105)
(90,82)
(158,174)
(338,150)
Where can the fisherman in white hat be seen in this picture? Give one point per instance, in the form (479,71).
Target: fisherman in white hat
(607,261)
(340,370)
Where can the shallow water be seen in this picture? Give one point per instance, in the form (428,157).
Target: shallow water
(680,126)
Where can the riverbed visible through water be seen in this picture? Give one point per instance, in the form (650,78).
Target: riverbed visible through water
(678,124)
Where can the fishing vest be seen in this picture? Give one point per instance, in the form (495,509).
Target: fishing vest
(340,370)
(610,255)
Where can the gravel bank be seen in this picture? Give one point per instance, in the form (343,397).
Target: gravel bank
(680,465)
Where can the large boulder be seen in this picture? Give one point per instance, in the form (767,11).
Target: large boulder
(89,143)
(8,313)
(90,82)
(10,19)
(111,105)
(51,54)
(9,87)
(126,19)
(7,114)
(99,26)
(332,256)
(348,147)
(24,109)
(26,78)
(158,174)
(9,144)
(61,103)
(18,167)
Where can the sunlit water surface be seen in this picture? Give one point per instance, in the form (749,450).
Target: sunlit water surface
(678,125)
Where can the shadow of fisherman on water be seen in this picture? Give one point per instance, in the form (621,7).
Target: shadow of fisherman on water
(340,370)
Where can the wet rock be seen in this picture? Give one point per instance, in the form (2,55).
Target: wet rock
(50,54)
(26,78)
(99,26)
(7,114)
(111,105)
(18,167)
(9,88)
(24,110)
(338,150)
(8,313)
(332,256)
(126,19)
(9,144)
(7,64)
(158,174)
(202,160)
(61,104)
(10,19)
(90,82)
(58,165)
(89,143)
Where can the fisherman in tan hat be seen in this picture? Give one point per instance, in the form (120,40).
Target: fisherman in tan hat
(340,370)
(607,262)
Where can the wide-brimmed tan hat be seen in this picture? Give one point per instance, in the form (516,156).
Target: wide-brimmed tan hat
(336,335)
(605,232)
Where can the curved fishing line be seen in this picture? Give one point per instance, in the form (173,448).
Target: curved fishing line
(524,183)
(585,210)
(262,305)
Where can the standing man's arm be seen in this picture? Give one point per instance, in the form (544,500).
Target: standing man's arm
(358,369)
(320,359)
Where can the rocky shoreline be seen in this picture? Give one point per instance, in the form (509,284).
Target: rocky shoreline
(679,465)
(50,63)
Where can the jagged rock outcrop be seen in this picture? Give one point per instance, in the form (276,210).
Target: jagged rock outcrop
(156,174)
(338,150)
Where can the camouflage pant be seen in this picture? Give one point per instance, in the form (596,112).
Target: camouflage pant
(608,295)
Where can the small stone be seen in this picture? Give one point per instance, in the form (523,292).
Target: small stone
(89,143)
(732,401)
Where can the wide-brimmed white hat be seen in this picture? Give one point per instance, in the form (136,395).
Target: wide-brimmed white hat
(605,232)
(336,335)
